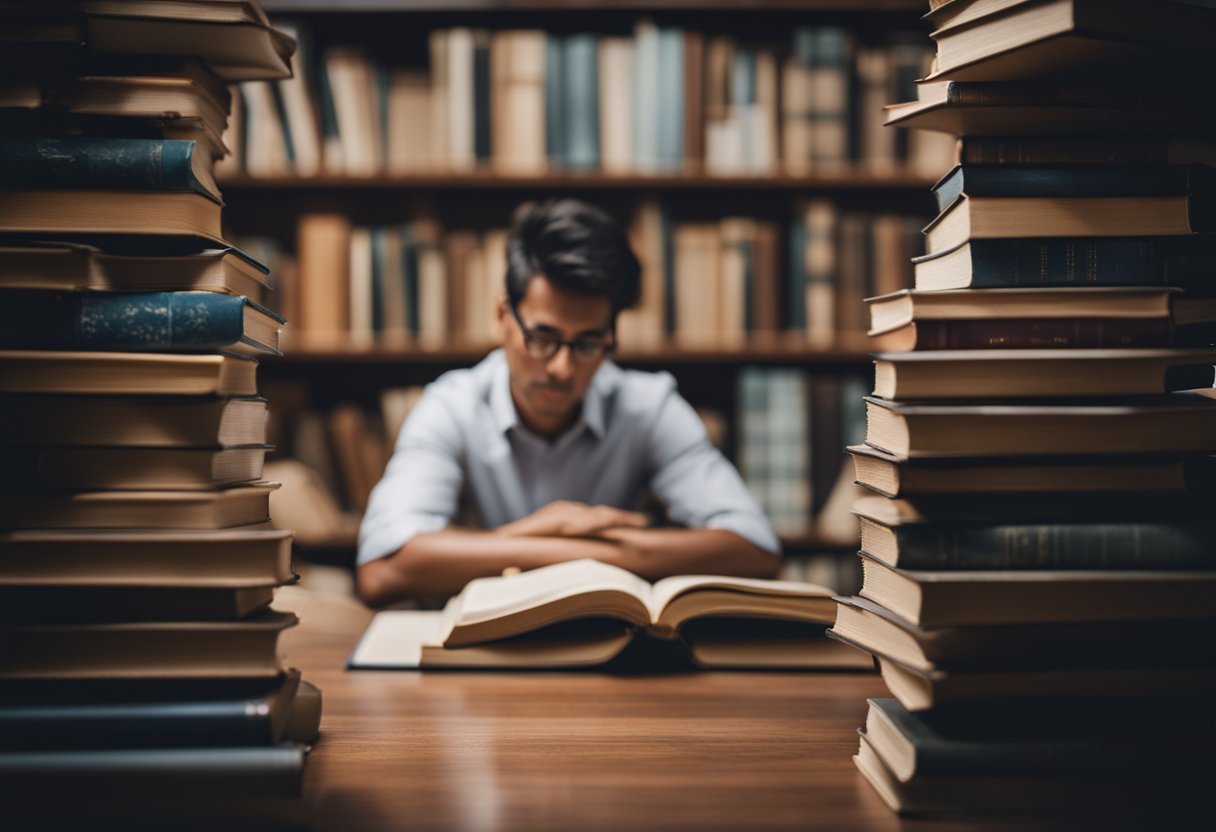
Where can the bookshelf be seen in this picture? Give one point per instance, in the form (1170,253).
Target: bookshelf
(473,199)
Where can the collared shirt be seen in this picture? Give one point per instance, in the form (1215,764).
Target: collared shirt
(634,433)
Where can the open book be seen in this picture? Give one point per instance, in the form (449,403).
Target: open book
(585,613)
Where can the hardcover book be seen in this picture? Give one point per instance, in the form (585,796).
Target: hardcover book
(130,265)
(248,648)
(1089,108)
(219,509)
(1067,262)
(227,558)
(1135,533)
(1043,373)
(1179,423)
(23,468)
(111,373)
(941,690)
(1042,646)
(138,322)
(898,309)
(893,475)
(956,598)
(133,421)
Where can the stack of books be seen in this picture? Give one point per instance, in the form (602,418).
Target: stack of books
(141,672)
(1038,572)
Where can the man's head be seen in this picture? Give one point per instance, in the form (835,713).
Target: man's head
(569,272)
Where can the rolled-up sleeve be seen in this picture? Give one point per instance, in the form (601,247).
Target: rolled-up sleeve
(699,486)
(420,490)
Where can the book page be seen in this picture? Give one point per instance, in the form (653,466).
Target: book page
(667,589)
(484,599)
(395,638)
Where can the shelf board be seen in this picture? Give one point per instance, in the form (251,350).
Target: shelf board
(841,181)
(770,350)
(749,6)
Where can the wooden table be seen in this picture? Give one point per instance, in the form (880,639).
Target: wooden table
(579,751)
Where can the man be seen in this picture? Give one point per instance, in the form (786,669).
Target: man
(554,443)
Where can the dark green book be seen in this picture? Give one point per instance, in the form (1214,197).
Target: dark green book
(1038,535)
(60,717)
(151,322)
(1184,261)
(1000,180)
(101,162)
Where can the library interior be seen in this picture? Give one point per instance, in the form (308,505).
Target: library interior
(577,414)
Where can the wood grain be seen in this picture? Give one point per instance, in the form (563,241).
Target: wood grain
(580,751)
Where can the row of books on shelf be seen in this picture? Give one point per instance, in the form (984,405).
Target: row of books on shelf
(664,100)
(705,284)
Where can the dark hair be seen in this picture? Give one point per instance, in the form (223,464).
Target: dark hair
(575,245)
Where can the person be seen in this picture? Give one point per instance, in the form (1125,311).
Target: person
(554,444)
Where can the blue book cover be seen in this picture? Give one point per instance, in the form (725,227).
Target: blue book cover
(671,100)
(581,106)
(137,322)
(100,162)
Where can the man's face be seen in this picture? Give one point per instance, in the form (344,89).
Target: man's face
(548,391)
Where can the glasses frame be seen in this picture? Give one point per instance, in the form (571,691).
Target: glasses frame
(553,345)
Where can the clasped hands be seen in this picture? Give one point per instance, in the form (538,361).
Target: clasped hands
(569,518)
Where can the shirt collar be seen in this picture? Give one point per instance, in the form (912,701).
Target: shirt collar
(593,414)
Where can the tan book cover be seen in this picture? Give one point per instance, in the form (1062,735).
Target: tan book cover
(231,558)
(75,267)
(218,509)
(248,648)
(135,373)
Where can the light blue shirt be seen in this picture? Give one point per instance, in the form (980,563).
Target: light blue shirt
(634,433)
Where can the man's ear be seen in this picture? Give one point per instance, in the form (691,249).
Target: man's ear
(500,309)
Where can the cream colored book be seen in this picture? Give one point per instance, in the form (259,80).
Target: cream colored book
(585,613)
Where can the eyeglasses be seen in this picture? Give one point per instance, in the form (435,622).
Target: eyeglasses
(544,344)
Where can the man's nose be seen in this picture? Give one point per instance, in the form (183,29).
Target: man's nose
(561,365)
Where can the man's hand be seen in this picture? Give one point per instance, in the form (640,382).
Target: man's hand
(567,518)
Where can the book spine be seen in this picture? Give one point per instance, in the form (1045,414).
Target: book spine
(671,99)
(581,102)
(555,101)
(482,150)
(134,725)
(1113,261)
(994,181)
(1044,333)
(1034,150)
(90,162)
(1097,95)
(152,321)
(1055,546)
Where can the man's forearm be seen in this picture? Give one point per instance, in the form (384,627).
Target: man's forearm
(440,563)
(658,553)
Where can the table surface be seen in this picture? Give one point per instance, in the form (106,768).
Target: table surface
(579,751)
